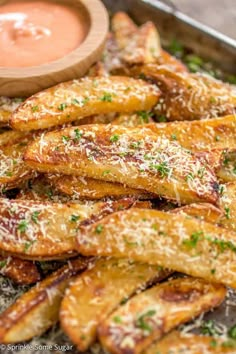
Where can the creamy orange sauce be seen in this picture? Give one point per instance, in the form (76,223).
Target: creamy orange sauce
(37,32)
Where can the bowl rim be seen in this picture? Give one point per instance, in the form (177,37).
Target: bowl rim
(97,32)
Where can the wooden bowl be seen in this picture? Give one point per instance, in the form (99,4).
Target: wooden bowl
(22,82)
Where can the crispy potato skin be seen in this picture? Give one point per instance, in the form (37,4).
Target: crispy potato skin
(67,101)
(178,242)
(98,291)
(177,343)
(189,96)
(42,230)
(204,135)
(92,189)
(37,310)
(203,211)
(18,270)
(135,157)
(154,312)
(227,168)
(123,28)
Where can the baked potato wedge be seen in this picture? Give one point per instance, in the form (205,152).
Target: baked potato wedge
(151,314)
(135,157)
(13,170)
(203,135)
(77,99)
(42,230)
(177,343)
(11,137)
(179,242)
(202,211)
(143,47)
(98,291)
(189,96)
(38,309)
(19,271)
(123,28)
(92,189)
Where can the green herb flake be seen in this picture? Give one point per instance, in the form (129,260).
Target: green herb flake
(78,134)
(74,218)
(232,332)
(117,319)
(227,212)
(35,109)
(65,139)
(176,48)
(99,229)
(34,216)
(107,97)
(193,240)
(114,138)
(161,168)
(144,116)
(173,137)
(208,328)
(62,106)
(85,100)
(217,138)
(28,244)
(106,172)
(22,226)
(161,119)
(142,323)
(3,264)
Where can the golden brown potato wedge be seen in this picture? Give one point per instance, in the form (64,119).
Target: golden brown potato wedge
(38,309)
(19,270)
(135,157)
(190,96)
(77,99)
(13,170)
(178,242)
(151,314)
(172,62)
(123,28)
(226,172)
(143,47)
(202,211)
(88,188)
(10,136)
(98,291)
(42,230)
(177,343)
(203,135)
(227,204)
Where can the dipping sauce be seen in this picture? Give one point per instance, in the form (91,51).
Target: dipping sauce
(38,32)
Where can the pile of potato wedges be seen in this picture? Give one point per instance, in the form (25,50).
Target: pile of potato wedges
(127,179)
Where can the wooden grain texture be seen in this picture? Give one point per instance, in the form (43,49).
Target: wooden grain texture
(19,82)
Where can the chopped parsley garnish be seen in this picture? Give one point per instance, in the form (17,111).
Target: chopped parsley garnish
(173,137)
(144,116)
(117,319)
(34,108)
(217,138)
(62,106)
(99,229)
(208,327)
(22,226)
(194,238)
(106,172)
(74,218)
(34,216)
(28,245)
(141,321)
(232,332)
(114,138)
(85,100)
(161,119)
(176,48)
(8,174)
(3,264)
(161,168)
(75,101)
(65,139)
(107,97)
(78,134)
(227,212)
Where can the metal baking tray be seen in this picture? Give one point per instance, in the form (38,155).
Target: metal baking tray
(205,42)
